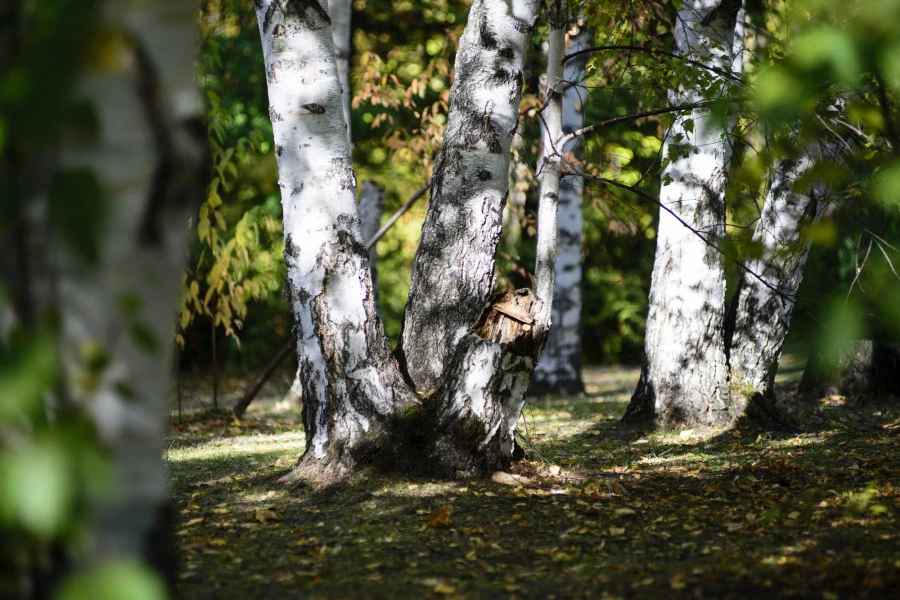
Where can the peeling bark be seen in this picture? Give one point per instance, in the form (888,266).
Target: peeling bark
(684,375)
(453,271)
(559,369)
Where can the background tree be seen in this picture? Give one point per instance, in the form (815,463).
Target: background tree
(684,373)
(559,369)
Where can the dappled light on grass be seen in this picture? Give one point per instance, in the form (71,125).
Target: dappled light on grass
(593,510)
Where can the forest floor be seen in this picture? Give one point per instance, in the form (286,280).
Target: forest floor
(594,511)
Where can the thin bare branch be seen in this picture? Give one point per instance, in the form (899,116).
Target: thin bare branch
(716,70)
(706,238)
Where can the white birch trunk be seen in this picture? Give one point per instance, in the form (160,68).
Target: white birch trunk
(766,292)
(340,12)
(684,376)
(149,157)
(351,385)
(453,271)
(559,368)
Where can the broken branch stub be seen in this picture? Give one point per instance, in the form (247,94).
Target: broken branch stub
(509,320)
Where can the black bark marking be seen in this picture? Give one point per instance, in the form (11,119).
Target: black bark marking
(295,11)
(173,183)
(488,39)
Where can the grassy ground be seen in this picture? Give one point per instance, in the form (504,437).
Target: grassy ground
(595,511)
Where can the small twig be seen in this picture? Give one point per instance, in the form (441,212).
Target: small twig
(650,113)
(859,268)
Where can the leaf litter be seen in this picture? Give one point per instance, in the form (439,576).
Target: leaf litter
(590,513)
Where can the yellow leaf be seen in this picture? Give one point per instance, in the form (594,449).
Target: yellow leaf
(442,517)
(444,588)
(217,542)
(266,514)
(678,581)
(195,521)
(616,530)
(624,511)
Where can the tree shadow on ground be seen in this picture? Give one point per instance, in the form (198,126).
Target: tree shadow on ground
(604,511)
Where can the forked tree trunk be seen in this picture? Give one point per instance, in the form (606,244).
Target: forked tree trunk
(358,409)
(684,375)
(453,270)
(761,308)
(559,369)
(340,12)
(150,160)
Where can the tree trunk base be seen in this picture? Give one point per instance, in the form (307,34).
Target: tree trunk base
(763,413)
(859,367)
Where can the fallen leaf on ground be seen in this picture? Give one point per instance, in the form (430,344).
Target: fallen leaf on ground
(504,478)
(266,514)
(442,517)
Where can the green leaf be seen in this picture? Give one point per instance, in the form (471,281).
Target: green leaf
(827,47)
(114,580)
(35,488)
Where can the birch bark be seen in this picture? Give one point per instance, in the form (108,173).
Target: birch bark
(358,409)
(453,271)
(684,375)
(764,299)
(559,369)
(352,388)
(149,156)
(483,391)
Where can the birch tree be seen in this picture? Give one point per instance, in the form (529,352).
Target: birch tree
(559,369)
(130,185)
(452,400)
(766,292)
(149,159)
(684,372)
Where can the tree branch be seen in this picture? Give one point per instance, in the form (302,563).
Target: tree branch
(705,238)
(650,113)
(716,70)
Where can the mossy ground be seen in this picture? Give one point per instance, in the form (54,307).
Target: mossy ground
(604,512)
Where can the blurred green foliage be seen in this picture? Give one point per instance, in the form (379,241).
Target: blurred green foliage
(830,56)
